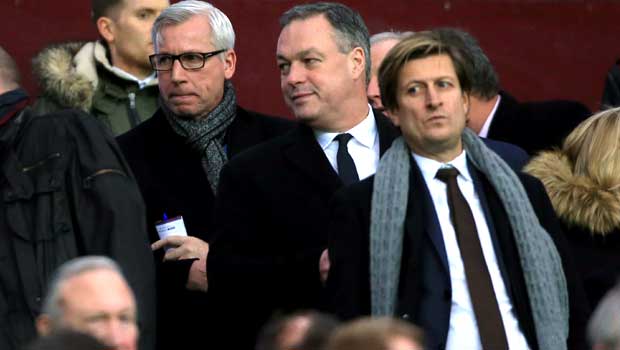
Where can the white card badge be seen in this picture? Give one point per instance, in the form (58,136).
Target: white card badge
(171,227)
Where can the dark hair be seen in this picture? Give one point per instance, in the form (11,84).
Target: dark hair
(419,45)
(349,27)
(103,8)
(67,339)
(315,337)
(484,79)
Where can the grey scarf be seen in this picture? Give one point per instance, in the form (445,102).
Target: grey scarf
(206,135)
(540,260)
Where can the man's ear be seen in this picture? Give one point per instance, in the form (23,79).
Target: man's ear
(466,104)
(105,27)
(393,115)
(357,59)
(230,63)
(43,324)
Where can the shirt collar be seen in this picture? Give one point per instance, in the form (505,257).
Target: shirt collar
(487,124)
(429,167)
(364,132)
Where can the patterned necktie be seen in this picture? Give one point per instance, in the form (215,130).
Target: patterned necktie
(486,310)
(346,166)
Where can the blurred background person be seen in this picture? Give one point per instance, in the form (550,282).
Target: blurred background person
(111,78)
(90,294)
(67,192)
(611,91)
(380,44)
(376,334)
(604,326)
(583,182)
(304,330)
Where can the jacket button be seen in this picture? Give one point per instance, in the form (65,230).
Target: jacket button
(405,316)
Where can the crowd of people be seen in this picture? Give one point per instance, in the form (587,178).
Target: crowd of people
(412,203)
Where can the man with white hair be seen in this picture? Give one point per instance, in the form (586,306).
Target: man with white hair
(90,294)
(177,155)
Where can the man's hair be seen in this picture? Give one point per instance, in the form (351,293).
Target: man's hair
(484,79)
(222,32)
(349,28)
(9,73)
(593,148)
(419,45)
(315,337)
(604,326)
(52,304)
(67,339)
(373,334)
(103,8)
(389,35)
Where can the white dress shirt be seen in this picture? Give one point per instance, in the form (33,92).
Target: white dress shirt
(363,147)
(484,131)
(463,332)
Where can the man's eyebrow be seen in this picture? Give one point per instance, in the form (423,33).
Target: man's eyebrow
(300,54)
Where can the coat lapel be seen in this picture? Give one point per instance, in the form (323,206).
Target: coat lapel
(304,152)
(425,215)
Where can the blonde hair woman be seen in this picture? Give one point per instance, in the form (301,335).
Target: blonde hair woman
(583,182)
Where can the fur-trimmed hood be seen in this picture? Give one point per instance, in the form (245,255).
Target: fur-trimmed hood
(577,200)
(67,73)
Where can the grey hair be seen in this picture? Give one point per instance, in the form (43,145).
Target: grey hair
(604,326)
(222,32)
(389,35)
(9,73)
(74,267)
(484,79)
(349,27)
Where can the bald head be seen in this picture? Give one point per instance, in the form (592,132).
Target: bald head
(9,74)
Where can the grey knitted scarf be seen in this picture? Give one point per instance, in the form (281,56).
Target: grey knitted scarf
(206,135)
(540,260)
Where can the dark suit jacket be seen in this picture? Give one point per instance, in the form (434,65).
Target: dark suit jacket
(172,181)
(271,229)
(535,126)
(424,292)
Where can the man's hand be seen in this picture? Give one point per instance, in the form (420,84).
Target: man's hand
(324,266)
(182,247)
(188,247)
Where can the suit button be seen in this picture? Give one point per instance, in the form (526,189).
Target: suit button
(447,295)
(405,316)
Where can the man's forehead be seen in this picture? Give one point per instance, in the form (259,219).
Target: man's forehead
(433,64)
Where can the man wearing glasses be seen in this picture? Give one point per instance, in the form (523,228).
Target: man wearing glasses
(177,155)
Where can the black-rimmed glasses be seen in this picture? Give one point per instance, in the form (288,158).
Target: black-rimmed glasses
(188,60)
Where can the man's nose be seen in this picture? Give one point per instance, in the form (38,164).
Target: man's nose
(433,99)
(177,72)
(296,74)
(119,335)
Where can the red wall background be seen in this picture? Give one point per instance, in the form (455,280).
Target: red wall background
(541,49)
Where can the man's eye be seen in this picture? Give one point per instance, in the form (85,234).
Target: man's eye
(444,84)
(412,90)
(311,61)
(192,58)
(143,15)
(164,60)
(284,68)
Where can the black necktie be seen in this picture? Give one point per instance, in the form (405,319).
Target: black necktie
(346,166)
(488,317)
